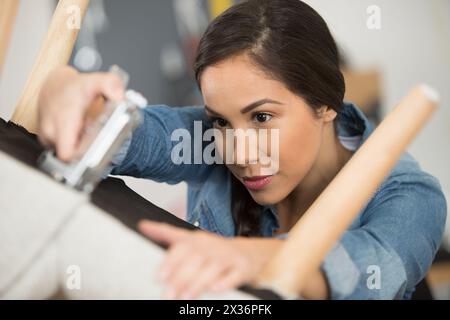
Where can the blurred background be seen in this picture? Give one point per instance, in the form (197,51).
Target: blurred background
(155,41)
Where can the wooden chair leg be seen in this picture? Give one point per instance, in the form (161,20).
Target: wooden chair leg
(313,236)
(55,51)
(8,13)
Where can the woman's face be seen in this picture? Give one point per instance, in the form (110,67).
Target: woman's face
(238,95)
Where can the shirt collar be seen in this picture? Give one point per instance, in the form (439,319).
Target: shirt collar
(351,121)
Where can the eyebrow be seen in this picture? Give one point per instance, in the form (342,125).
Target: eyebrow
(248,108)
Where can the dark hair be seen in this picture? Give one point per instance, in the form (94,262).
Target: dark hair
(290,42)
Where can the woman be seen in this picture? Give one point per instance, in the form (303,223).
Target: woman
(265,64)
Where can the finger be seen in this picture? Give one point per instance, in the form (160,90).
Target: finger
(106,84)
(182,274)
(46,134)
(68,129)
(175,256)
(161,232)
(199,284)
(233,279)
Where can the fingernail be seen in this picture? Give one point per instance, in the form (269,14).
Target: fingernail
(145,227)
(142,225)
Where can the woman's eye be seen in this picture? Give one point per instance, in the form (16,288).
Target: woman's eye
(262,117)
(220,122)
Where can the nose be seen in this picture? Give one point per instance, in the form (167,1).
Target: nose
(245,147)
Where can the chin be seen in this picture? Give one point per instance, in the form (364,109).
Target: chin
(265,197)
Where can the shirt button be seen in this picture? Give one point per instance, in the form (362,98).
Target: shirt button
(197,223)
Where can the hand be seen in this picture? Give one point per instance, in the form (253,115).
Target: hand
(63,102)
(199,261)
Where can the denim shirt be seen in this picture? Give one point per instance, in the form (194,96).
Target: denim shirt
(385,252)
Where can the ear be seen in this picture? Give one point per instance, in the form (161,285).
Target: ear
(327,114)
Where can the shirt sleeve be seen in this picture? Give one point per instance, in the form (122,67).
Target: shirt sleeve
(392,250)
(148,153)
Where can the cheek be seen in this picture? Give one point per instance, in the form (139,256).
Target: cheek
(223,144)
(299,146)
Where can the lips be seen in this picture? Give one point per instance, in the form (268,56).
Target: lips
(257,183)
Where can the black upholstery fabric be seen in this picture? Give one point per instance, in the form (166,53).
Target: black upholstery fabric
(111,195)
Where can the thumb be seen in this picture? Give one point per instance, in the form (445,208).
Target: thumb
(161,232)
(106,84)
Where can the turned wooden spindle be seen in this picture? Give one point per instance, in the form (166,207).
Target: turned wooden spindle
(339,204)
(8,13)
(55,51)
